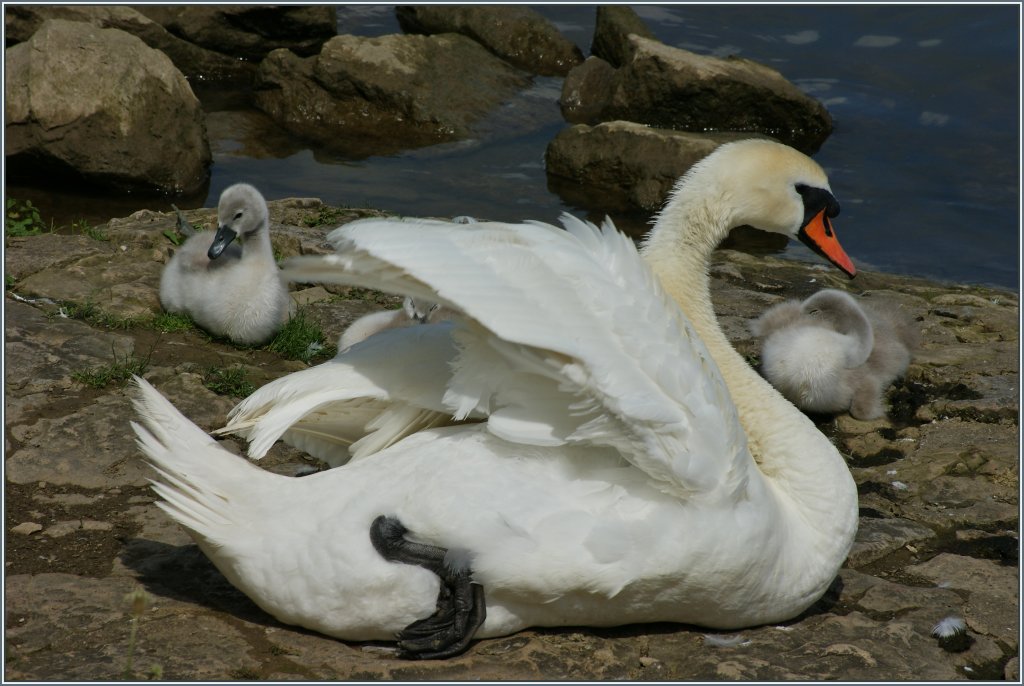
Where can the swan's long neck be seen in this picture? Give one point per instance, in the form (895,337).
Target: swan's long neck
(258,246)
(792,454)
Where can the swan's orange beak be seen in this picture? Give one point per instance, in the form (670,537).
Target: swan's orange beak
(818,235)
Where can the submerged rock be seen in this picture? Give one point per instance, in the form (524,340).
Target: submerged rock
(364,96)
(622,165)
(673,88)
(516,34)
(100,106)
(248,31)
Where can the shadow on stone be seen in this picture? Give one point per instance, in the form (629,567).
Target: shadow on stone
(184,573)
(827,604)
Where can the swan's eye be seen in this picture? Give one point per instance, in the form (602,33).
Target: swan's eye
(818,199)
(238,215)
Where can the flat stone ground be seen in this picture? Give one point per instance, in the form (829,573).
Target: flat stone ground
(938,480)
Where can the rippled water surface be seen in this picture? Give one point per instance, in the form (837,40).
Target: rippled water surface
(924,156)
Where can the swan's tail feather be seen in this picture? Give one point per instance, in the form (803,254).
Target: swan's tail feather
(202,486)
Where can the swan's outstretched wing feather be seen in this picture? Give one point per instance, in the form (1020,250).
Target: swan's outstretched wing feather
(551,319)
(356,404)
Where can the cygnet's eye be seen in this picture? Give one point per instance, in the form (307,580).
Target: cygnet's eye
(238,214)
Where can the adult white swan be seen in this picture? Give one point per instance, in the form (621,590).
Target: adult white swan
(628,465)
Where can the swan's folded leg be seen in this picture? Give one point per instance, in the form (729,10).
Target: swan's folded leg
(461,609)
(451,636)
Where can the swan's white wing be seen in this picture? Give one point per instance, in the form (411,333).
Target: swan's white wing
(362,401)
(564,337)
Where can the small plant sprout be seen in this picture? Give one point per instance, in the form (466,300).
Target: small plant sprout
(173,237)
(952,635)
(138,602)
(21,218)
(85,228)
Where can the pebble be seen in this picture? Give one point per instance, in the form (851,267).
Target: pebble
(310,295)
(27,528)
(94,525)
(67,498)
(64,528)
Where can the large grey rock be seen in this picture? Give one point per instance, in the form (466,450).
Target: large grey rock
(622,165)
(100,105)
(248,32)
(673,88)
(25,256)
(614,25)
(585,91)
(993,600)
(85,449)
(518,35)
(42,354)
(119,288)
(362,95)
(93,643)
(877,538)
(21,21)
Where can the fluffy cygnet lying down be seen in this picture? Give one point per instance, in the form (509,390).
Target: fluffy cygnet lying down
(230,288)
(832,353)
(412,312)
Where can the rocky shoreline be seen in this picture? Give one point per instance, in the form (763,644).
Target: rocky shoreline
(938,481)
(104,96)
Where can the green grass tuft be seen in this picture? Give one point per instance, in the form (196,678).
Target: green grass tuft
(326,216)
(172,322)
(173,236)
(91,314)
(85,228)
(232,382)
(301,339)
(369,295)
(118,371)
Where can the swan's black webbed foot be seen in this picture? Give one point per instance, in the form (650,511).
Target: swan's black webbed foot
(460,602)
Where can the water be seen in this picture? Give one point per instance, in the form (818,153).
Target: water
(924,157)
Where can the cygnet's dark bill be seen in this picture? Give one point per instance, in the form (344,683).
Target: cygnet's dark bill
(221,240)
